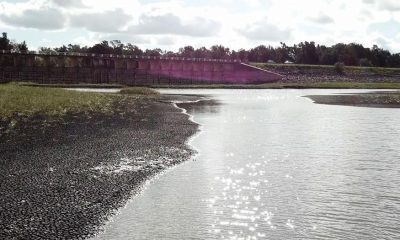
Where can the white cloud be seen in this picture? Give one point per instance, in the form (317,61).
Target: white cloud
(389,5)
(264,31)
(321,19)
(166,41)
(171,24)
(175,23)
(45,19)
(68,3)
(107,21)
(388,28)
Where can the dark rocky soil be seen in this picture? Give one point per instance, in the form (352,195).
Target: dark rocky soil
(320,74)
(62,179)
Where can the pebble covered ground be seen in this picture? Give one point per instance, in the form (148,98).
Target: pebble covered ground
(63,180)
(320,74)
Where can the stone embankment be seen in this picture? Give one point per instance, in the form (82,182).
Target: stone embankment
(318,74)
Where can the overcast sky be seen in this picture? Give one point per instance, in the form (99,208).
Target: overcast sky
(173,24)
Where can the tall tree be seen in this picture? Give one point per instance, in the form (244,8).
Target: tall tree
(101,48)
(156,52)
(5,43)
(117,47)
(187,51)
(219,52)
(130,49)
(202,52)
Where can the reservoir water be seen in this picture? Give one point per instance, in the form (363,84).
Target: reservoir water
(274,165)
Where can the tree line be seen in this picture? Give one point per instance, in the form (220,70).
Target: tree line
(352,54)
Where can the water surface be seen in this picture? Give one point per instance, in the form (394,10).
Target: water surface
(274,165)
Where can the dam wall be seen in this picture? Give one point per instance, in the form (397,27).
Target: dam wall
(127,70)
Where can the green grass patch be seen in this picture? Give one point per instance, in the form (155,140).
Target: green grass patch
(24,105)
(23,101)
(78,85)
(139,91)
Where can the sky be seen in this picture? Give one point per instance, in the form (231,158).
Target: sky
(170,25)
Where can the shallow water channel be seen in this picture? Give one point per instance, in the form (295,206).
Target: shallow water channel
(274,165)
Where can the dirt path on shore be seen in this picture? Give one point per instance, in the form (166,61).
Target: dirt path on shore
(63,181)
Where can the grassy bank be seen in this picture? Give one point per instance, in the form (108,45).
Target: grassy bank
(353,69)
(22,102)
(78,85)
(27,101)
(322,85)
(317,85)
(139,91)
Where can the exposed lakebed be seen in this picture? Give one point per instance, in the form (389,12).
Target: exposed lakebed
(63,179)
(380,99)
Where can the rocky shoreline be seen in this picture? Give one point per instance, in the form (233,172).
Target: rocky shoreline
(307,74)
(63,180)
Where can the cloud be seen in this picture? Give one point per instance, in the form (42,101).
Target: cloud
(365,14)
(387,44)
(165,41)
(108,21)
(369,1)
(124,37)
(321,19)
(389,5)
(381,42)
(171,24)
(44,19)
(68,3)
(388,29)
(265,31)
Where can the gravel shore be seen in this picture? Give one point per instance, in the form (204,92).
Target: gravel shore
(308,74)
(62,180)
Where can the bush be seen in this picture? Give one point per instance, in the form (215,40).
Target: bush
(364,62)
(339,67)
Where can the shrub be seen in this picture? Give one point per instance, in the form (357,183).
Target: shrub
(364,62)
(339,67)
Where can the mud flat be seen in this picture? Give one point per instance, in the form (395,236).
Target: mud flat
(385,99)
(63,179)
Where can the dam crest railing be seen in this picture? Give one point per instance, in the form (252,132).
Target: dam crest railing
(123,56)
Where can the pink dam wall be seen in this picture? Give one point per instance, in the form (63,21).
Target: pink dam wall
(215,72)
(132,70)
